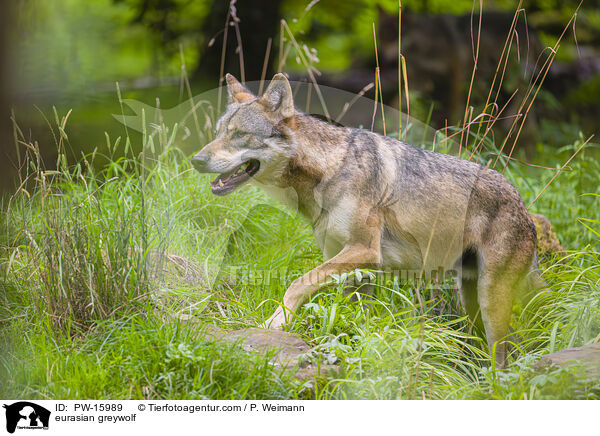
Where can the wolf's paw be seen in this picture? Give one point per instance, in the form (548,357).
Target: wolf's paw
(278,320)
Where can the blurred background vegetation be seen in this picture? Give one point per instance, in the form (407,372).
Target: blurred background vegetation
(69,54)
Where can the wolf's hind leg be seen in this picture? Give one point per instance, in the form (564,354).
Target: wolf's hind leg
(499,282)
(495,303)
(467,282)
(468,297)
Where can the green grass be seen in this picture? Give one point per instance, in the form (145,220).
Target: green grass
(98,266)
(142,357)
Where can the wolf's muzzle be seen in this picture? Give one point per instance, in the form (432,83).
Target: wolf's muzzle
(199,162)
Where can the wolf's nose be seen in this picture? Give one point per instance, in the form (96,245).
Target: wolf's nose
(199,162)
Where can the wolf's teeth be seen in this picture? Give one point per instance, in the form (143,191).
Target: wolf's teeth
(220,183)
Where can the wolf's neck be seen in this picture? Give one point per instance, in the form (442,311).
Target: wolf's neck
(316,143)
(312,162)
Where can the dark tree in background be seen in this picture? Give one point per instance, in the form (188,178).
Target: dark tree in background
(203,24)
(7,155)
(258,21)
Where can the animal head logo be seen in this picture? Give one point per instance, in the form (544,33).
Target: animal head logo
(26,415)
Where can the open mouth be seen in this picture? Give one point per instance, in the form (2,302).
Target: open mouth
(227,182)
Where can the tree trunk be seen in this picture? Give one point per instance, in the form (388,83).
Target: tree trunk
(259,21)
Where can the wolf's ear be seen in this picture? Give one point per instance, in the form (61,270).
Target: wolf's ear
(278,96)
(237,92)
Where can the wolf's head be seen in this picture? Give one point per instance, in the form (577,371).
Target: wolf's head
(253,138)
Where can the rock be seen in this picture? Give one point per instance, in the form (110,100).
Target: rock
(587,357)
(171,269)
(177,283)
(290,350)
(547,241)
(290,347)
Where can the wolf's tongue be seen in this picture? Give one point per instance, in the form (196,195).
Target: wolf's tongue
(238,172)
(231,176)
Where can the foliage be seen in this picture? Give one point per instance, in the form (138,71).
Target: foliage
(141,357)
(100,268)
(84,35)
(106,40)
(89,312)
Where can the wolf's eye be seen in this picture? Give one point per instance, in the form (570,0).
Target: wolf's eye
(238,134)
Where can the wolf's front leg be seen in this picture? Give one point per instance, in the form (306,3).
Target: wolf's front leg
(351,257)
(280,317)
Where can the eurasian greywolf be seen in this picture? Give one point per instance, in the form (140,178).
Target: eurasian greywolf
(377,202)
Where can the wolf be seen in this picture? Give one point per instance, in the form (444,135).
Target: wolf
(376,202)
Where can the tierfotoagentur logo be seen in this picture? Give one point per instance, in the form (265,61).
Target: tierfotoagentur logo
(27,416)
